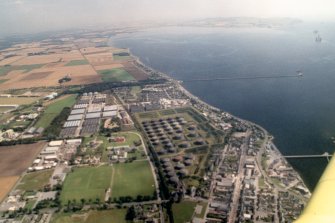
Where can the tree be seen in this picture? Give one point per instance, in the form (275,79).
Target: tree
(131,214)
(83,201)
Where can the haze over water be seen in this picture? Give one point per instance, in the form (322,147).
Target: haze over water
(298,112)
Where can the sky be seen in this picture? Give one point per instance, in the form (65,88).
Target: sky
(29,16)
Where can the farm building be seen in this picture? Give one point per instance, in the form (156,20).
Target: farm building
(109,114)
(111,108)
(56,143)
(77,111)
(93,115)
(79,106)
(71,124)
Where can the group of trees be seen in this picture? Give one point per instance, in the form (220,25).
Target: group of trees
(53,130)
(109,85)
(128,199)
(19,141)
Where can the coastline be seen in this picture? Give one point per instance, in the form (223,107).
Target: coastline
(190,95)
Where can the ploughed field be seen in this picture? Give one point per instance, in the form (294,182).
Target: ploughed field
(14,160)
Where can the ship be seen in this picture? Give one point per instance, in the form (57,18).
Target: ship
(300,73)
(318,39)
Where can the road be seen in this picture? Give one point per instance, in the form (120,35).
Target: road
(238,182)
(213,183)
(153,174)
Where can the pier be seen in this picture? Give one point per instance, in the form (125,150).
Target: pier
(242,78)
(324,155)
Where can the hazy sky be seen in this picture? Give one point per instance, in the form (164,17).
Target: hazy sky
(18,16)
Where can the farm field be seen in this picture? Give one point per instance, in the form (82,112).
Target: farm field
(17,100)
(54,109)
(3,80)
(118,216)
(6,108)
(49,76)
(115,75)
(87,183)
(14,160)
(35,180)
(137,73)
(183,211)
(126,178)
(76,62)
(24,68)
(6,184)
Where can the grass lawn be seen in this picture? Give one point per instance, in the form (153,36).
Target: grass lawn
(115,75)
(148,115)
(167,112)
(30,204)
(135,90)
(129,136)
(183,211)
(132,179)
(54,109)
(76,62)
(35,180)
(87,183)
(203,210)
(115,216)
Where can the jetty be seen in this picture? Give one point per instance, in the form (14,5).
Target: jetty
(242,78)
(323,155)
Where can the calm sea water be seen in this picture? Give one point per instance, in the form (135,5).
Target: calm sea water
(299,112)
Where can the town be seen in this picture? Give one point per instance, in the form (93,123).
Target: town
(106,137)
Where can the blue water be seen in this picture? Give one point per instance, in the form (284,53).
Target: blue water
(299,112)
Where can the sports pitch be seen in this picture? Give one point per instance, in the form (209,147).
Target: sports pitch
(125,179)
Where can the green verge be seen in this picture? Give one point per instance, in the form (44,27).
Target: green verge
(115,75)
(76,62)
(183,211)
(53,110)
(35,181)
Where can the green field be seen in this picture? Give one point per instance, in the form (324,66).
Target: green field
(118,57)
(114,216)
(183,211)
(115,75)
(76,62)
(132,179)
(53,110)
(87,183)
(35,180)
(123,178)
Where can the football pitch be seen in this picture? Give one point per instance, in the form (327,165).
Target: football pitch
(125,179)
